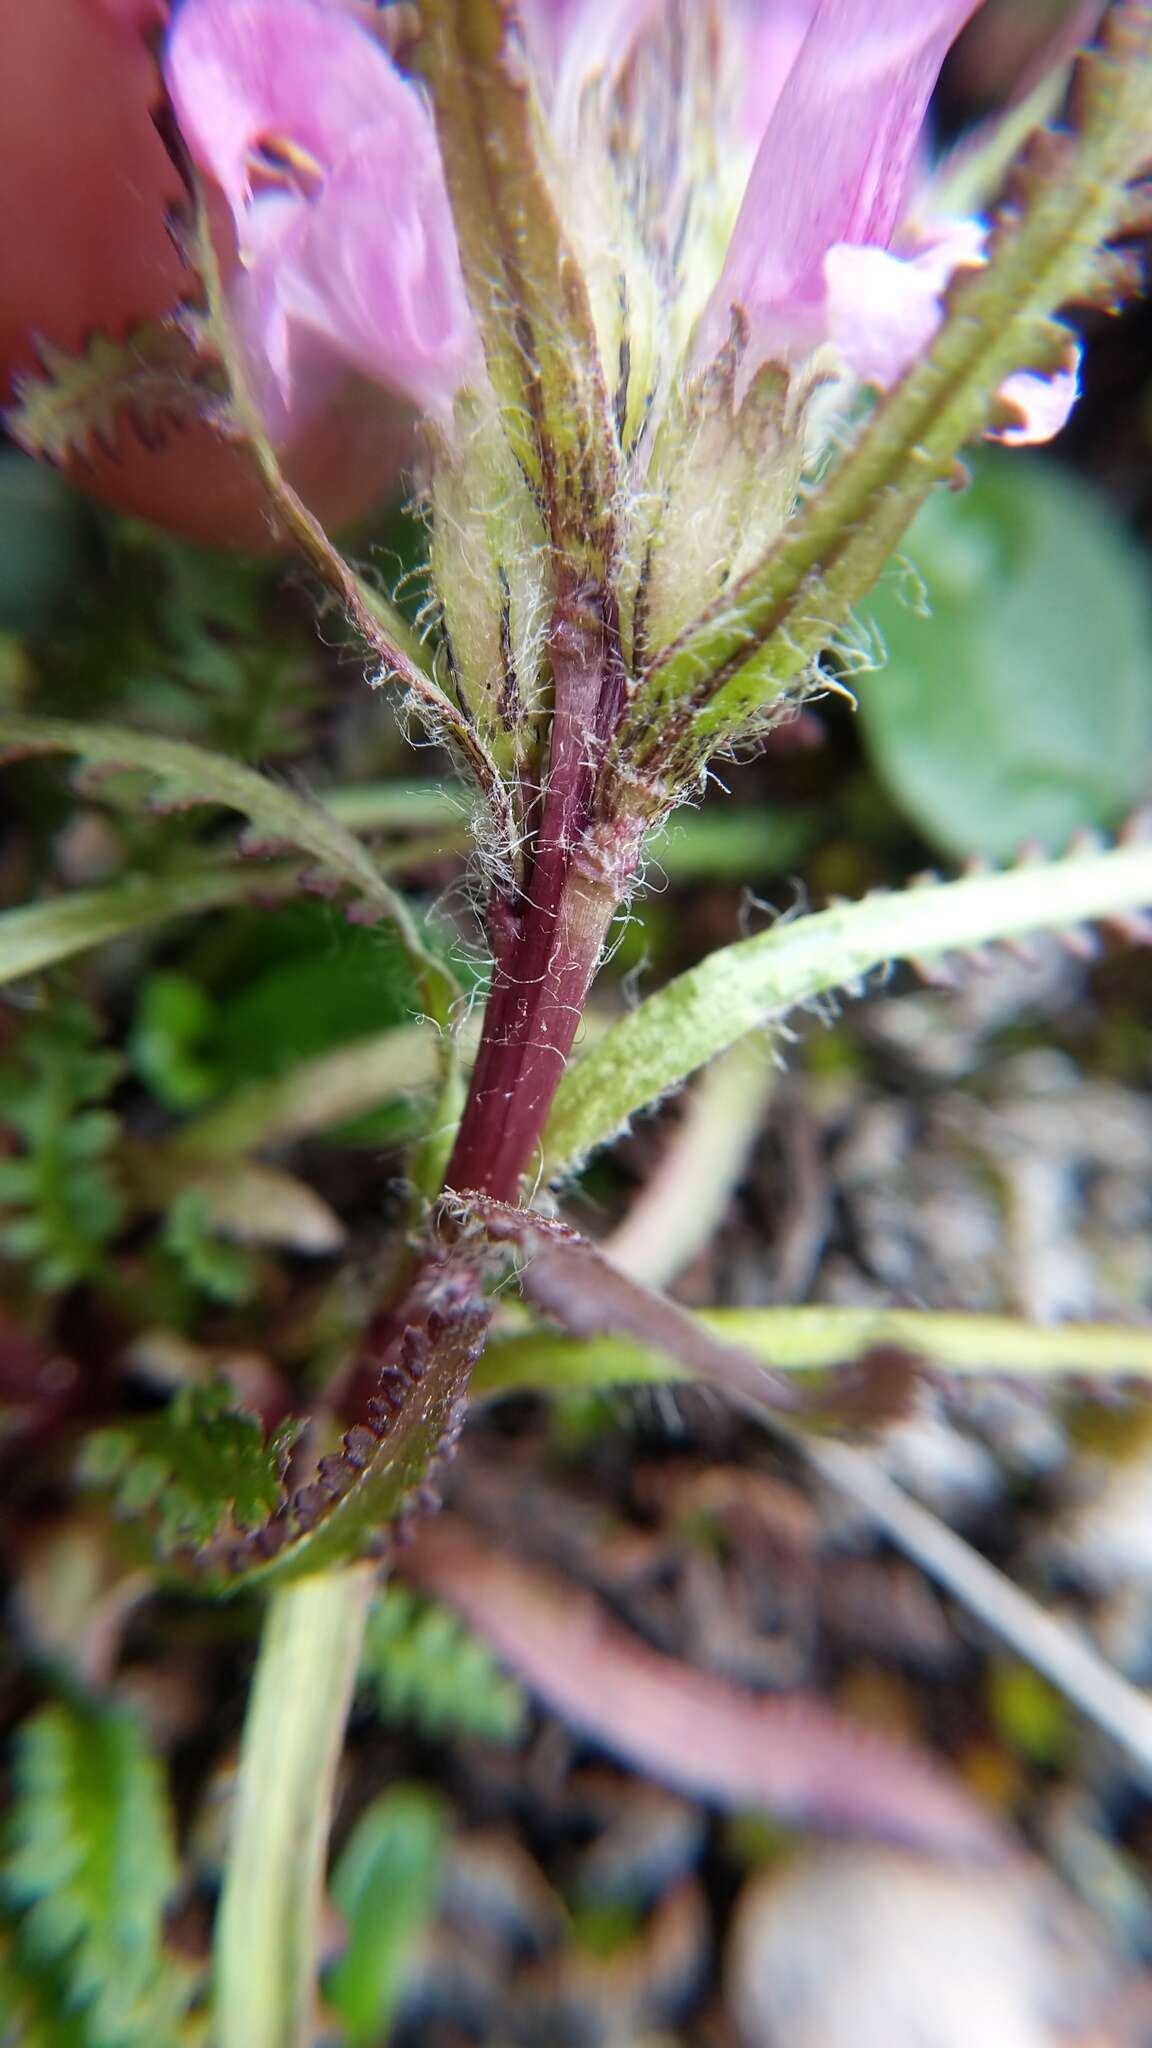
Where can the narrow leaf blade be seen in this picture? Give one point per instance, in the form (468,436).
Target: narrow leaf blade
(741,987)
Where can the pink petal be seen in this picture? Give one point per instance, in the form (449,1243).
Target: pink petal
(1041,403)
(86,251)
(328,159)
(333,287)
(770,35)
(882,310)
(242,72)
(835,159)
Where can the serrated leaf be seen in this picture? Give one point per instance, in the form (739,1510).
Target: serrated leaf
(529,294)
(423,1372)
(60,1203)
(757,981)
(199,1468)
(224,1272)
(91,1870)
(1015,703)
(204,1481)
(152,375)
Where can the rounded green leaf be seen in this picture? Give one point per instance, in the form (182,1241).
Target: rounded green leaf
(1016,701)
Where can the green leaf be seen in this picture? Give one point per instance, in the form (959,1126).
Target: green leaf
(399,806)
(190,774)
(311,982)
(386,1885)
(60,1205)
(195,1470)
(37,935)
(1016,700)
(225,1272)
(209,1491)
(740,987)
(424,1667)
(358,1491)
(173,1018)
(33,1998)
(812,1339)
(313,1095)
(90,1872)
(734,843)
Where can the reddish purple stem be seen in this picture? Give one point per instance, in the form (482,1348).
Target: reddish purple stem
(546,945)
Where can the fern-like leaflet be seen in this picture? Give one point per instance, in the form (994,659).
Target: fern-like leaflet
(90,1871)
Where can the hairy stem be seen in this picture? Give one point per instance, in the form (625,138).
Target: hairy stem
(538,992)
(266,1944)
(547,943)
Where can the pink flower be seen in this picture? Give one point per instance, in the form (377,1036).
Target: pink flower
(84,248)
(827,101)
(327,157)
(771,34)
(337,237)
(817,253)
(328,160)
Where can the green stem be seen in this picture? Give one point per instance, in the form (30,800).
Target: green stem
(812,1339)
(266,1942)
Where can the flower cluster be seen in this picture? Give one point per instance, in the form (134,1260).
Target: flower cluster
(748,160)
(742,180)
